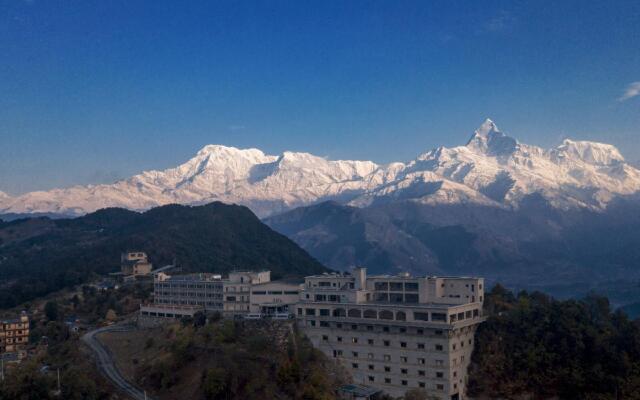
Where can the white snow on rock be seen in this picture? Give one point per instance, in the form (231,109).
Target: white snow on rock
(492,169)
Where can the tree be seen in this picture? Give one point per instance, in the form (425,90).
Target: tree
(75,300)
(214,383)
(199,319)
(418,394)
(111,316)
(77,385)
(51,310)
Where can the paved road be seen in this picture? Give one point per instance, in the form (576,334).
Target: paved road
(106,364)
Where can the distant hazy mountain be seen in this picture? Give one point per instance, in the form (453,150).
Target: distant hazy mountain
(40,255)
(536,246)
(492,170)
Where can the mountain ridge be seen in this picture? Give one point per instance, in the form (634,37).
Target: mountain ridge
(491,169)
(41,255)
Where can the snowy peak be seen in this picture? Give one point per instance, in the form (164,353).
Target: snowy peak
(489,140)
(591,152)
(492,169)
(488,127)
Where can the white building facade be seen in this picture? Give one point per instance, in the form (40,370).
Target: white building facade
(242,292)
(395,332)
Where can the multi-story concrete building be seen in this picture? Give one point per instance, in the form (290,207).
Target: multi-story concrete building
(14,335)
(241,293)
(237,290)
(204,290)
(395,333)
(275,297)
(135,263)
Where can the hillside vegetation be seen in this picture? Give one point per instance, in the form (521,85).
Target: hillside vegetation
(41,255)
(537,346)
(228,360)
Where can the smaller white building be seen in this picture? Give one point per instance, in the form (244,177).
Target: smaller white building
(276,297)
(241,293)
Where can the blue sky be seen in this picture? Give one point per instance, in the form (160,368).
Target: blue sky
(92,91)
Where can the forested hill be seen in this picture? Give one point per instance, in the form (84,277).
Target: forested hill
(533,346)
(41,255)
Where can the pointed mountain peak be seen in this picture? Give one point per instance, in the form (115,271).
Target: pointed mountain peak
(489,140)
(487,127)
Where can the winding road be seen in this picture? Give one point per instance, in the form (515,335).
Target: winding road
(106,364)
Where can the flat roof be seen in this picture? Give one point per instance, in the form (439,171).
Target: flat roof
(198,277)
(291,281)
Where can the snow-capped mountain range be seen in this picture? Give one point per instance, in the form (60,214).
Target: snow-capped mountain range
(492,169)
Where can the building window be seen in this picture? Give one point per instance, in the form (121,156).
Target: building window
(387,380)
(421,361)
(439,347)
(370,356)
(403,359)
(325,338)
(354,327)
(440,387)
(439,363)
(403,344)
(354,340)
(387,369)
(439,317)
(386,343)
(371,367)
(387,357)
(386,314)
(339,338)
(381,286)
(404,383)
(354,354)
(371,378)
(354,365)
(422,373)
(370,342)
(372,314)
(404,371)
(421,384)
(420,346)
(439,375)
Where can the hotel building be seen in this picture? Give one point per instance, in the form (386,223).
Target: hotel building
(242,292)
(395,333)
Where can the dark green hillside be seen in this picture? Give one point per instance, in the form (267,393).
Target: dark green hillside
(41,255)
(535,345)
